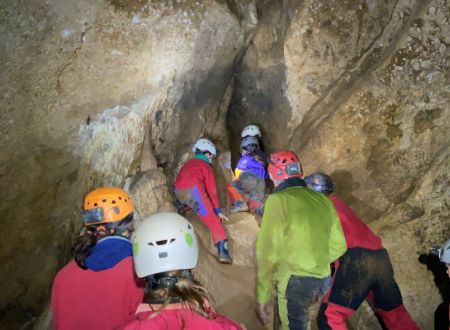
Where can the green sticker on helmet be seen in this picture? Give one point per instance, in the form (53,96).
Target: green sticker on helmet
(189,239)
(135,248)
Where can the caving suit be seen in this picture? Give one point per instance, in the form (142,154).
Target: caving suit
(176,316)
(300,236)
(365,269)
(104,296)
(250,179)
(195,186)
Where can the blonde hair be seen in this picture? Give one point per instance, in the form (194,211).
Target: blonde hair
(186,291)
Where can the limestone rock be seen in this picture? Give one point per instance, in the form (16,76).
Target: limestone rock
(243,231)
(150,192)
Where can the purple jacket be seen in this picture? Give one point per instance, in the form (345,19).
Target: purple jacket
(249,164)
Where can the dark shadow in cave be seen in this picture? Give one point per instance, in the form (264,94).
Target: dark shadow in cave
(442,281)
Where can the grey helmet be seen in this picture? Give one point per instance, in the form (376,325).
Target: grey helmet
(320,182)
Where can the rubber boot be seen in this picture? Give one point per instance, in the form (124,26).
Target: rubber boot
(239,206)
(222,252)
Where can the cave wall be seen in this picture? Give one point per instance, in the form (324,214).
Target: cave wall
(115,92)
(82,83)
(360,90)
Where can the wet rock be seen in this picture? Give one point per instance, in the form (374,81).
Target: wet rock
(150,192)
(243,231)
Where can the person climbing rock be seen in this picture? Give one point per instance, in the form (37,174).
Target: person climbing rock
(300,236)
(98,289)
(165,249)
(364,270)
(250,179)
(195,186)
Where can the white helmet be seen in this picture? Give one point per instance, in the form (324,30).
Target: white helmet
(163,242)
(444,252)
(251,130)
(205,145)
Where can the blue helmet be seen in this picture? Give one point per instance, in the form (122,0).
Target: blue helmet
(320,182)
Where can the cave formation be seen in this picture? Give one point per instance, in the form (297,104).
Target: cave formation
(116,92)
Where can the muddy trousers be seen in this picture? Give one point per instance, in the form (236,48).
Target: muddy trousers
(248,184)
(199,202)
(362,273)
(295,296)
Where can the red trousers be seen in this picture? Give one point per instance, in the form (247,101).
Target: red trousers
(199,202)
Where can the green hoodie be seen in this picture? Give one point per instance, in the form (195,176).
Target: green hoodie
(300,235)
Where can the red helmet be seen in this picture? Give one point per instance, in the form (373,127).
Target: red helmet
(284,165)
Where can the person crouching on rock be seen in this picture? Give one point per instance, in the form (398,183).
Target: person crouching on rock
(250,179)
(195,186)
(99,289)
(165,249)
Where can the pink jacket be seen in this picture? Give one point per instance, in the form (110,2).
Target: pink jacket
(176,317)
(84,299)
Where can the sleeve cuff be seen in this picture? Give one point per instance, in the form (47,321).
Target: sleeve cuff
(218,210)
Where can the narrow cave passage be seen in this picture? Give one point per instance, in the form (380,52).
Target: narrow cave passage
(116,93)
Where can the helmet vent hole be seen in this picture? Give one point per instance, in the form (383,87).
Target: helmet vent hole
(114,202)
(163,255)
(151,244)
(95,204)
(162,242)
(284,161)
(104,200)
(120,198)
(172,240)
(189,227)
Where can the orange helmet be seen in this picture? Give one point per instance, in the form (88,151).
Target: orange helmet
(104,205)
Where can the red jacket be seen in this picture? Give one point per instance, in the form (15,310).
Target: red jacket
(84,299)
(176,317)
(357,233)
(198,173)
